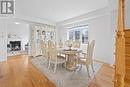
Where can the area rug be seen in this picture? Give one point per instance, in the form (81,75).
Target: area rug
(64,77)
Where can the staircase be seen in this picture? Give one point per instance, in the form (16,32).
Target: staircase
(127,58)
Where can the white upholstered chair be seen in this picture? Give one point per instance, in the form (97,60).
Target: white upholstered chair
(45,53)
(60,44)
(50,44)
(76,44)
(54,59)
(87,60)
(68,42)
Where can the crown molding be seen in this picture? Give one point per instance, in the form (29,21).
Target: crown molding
(88,16)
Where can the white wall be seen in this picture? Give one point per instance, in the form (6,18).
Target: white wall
(21,30)
(102,33)
(101,29)
(127,14)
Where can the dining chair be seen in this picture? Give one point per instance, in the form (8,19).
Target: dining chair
(87,60)
(76,44)
(60,45)
(50,44)
(68,42)
(45,53)
(54,59)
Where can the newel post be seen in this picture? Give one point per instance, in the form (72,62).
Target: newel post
(120,48)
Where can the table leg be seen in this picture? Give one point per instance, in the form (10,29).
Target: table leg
(71,62)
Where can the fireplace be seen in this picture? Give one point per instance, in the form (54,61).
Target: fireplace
(15,45)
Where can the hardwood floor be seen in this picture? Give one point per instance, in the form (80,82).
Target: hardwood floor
(19,72)
(104,77)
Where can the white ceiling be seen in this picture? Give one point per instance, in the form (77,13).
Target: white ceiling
(57,10)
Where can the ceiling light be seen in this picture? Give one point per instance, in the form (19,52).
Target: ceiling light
(16,22)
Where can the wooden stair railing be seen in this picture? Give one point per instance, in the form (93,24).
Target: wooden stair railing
(120,48)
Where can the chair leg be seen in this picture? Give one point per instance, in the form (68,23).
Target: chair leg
(49,65)
(92,67)
(65,64)
(55,67)
(88,70)
(47,62)
(80,67)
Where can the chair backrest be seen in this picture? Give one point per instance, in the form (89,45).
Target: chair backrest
(44,49)
(53,53)
(60,44)
(68,42)
(76,44)
(90,49)
(50,44)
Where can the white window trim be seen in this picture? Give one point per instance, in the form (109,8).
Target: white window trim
(72,29)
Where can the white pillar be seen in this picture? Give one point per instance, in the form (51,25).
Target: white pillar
(3,39)
(30,41)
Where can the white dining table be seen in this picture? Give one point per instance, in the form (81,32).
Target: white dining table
(71,55)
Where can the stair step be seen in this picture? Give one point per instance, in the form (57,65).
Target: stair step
(127,61)
(127,58)
(127,74)
(127,84)
(127,49)
(127,79)
(127,70)
(127,40)
(127,55)
(127,65)
(127,44)
(127,33)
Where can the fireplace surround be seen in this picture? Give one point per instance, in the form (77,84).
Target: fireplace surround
(14,45)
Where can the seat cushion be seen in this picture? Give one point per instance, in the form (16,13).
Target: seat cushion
(60,59)
(84,61)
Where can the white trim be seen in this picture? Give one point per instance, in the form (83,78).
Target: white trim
(88,16)
(35,20)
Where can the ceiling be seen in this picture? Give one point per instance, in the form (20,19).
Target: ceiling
(57,10)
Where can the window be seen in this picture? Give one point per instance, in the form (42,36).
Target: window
(84,36)
(78,33)
(71,35)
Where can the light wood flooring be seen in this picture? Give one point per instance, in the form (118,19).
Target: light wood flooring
(104,77)
(18,71)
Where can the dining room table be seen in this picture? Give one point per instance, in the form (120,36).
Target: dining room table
(71,56)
